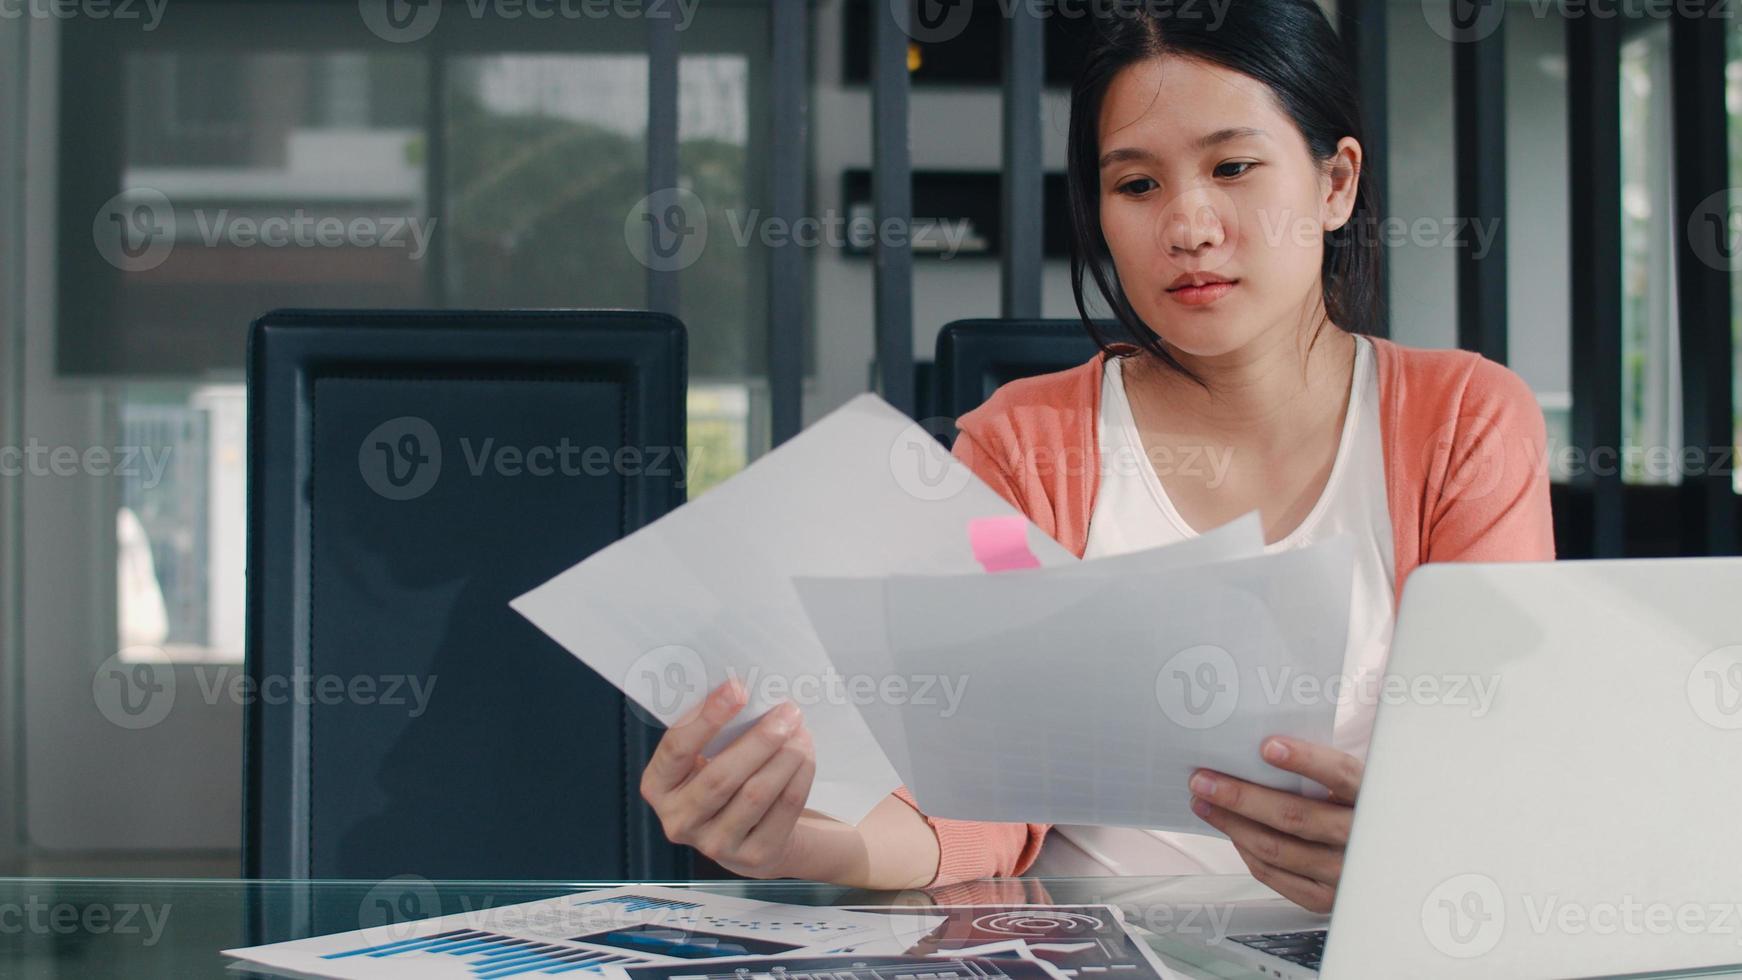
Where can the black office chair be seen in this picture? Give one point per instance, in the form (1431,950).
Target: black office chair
(974,357)
(407,478)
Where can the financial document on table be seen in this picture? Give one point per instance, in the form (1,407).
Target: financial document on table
(645,932)
(975,942)
(593,932)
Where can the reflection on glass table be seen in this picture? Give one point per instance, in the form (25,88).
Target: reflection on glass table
(177,928)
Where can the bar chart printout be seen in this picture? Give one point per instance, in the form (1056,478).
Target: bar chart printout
(488,954)
(596,933)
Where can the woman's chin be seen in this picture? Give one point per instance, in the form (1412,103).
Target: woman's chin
(1204,340)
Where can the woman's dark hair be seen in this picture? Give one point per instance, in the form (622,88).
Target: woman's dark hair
(1290,47)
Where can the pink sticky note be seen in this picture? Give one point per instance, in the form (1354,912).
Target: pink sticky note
(1001,543)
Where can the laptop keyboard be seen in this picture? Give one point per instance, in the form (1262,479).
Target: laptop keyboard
(1303,948)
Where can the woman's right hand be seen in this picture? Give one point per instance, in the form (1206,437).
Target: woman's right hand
(742,806)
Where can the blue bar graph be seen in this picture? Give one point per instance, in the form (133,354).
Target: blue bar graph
(489,955)
(640,903)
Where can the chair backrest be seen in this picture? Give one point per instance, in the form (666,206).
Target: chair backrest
(974,357)
(409,474)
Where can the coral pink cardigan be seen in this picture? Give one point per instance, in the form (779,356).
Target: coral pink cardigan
(1465,472)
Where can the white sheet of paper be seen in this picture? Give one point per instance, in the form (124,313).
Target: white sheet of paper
(848,614)
(589,932)
(671,611)
(1095,696)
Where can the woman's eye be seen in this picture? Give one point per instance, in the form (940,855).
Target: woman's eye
(1133,188)
(1247,164)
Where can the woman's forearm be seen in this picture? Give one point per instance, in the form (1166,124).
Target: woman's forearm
(893,847)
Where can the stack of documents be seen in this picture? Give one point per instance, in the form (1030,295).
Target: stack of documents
(933,637)
(599,932)
(645,932)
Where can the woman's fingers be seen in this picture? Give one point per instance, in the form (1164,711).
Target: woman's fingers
(1337,771)
(1294,815)
(674,759)
(769,842)
(1314,896)
(760,791)
(711,787)
(1293,844)
(739,807)
(1319,862)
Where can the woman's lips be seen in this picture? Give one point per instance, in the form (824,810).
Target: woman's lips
(1201,295)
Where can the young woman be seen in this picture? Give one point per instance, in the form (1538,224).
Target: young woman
(1219,204)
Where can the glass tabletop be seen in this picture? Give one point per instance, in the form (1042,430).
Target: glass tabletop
(176,928)
(148,928)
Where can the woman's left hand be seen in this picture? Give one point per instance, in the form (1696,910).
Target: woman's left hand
(1290,842)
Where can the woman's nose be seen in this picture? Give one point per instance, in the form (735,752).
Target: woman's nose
(1190,222)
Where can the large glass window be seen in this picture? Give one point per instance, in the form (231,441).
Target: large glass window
(249,180)
(544,153)
(258,157)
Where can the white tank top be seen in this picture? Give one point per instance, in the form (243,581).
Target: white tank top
(1132,511)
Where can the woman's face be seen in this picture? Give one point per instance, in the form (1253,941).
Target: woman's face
(1203,175)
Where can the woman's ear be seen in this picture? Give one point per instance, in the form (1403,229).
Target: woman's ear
(1343,173)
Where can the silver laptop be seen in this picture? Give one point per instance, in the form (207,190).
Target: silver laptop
(1586,821)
